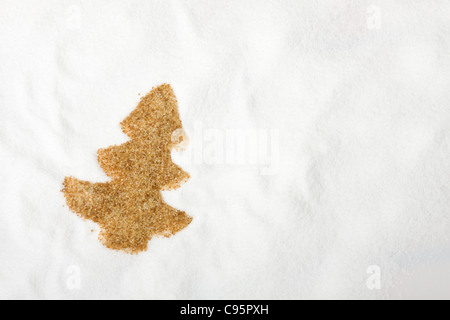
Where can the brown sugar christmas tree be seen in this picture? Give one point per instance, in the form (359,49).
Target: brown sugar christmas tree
(130,209)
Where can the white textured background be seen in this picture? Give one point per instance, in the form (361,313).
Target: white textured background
(359,91)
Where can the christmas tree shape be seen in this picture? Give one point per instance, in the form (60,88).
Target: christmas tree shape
(129,209)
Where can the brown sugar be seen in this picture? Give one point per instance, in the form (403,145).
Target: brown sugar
(129,209)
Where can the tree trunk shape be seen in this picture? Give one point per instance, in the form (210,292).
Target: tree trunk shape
(130,209)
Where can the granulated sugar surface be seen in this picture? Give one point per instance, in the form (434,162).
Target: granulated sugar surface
(350,104)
